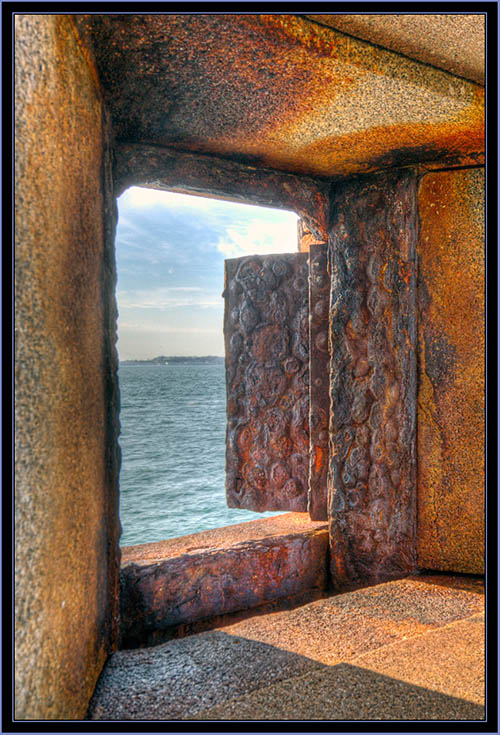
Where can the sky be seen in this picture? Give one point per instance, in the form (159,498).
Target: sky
(170,251)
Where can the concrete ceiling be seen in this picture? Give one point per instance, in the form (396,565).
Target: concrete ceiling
(279,91)
(452,42)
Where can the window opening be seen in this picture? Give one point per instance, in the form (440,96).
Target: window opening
(170,250)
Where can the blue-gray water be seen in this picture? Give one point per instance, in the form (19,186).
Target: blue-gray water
(173,424)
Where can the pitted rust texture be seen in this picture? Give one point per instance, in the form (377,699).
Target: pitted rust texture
(319,393)
(190,173)
(373,380)
(279,91)
(451,407)
(213,573)
(267,378)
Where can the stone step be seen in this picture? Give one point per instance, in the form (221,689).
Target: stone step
(206,575)
(407,649)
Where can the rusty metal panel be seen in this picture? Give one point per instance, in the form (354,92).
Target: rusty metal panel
(266,334)
(372,475)
(319,367)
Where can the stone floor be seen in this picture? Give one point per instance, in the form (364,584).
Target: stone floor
(411,649)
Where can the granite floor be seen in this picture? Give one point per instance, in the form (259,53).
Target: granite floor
(411,649)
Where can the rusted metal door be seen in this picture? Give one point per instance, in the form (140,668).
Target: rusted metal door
(266,331)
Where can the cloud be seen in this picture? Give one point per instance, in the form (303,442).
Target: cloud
(167,329)
(138,197)
(259,238)
(169,255)
(168,298)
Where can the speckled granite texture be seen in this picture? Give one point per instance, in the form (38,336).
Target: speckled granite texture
(452,42)
(279,91)
(407,649)
(451,398)
(66,495)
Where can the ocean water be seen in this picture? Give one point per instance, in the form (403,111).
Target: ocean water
(173,429)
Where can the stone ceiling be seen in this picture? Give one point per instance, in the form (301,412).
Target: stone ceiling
(279,91)
(455,43)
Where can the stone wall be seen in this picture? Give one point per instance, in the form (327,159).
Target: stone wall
(66,453)
(451,408)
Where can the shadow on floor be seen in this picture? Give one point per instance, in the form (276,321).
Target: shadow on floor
(345,692)
(217,676)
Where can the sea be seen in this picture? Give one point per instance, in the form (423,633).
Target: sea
(173,432)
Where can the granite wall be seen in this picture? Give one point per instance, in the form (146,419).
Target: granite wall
(451,408)
(66,505)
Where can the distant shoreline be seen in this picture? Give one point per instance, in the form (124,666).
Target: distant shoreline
(173,360)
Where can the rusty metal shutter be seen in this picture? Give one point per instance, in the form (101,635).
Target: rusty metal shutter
(266,332)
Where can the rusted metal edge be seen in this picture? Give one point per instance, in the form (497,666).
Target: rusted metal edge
(471,161)
(319,394)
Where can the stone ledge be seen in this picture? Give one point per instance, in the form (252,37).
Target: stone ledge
(205,575)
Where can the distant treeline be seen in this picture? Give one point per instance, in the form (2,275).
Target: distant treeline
(163,360)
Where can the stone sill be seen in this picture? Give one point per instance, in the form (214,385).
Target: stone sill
(203,576)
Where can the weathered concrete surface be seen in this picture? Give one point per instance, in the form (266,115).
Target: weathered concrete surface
(172,680)
(66,532)
(216,572)
(345,692)
(266,337)
(456,43)
(451,502)
(343,657)
(281,92)
(372,504)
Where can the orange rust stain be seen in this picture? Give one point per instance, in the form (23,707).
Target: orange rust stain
(86,55)
(340,567)
(460,161)
(372,148)
(405,143)
(306,238)
(405,271)
(279,91)
(451,371)
(318,459)
(59,226)
(304,35)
